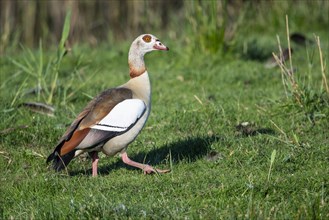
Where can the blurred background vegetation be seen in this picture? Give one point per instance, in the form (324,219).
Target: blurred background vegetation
(209,25)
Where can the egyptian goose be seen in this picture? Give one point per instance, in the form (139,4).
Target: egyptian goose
(113,119)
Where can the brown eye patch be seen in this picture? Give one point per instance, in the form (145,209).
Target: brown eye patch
(147,38)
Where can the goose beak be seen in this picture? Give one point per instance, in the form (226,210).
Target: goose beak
(160,46)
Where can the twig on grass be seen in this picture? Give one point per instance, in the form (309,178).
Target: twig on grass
(9,130)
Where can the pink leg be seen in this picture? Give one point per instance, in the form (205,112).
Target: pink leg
(146,168)
(95,162)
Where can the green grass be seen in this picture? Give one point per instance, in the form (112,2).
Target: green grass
(219,170)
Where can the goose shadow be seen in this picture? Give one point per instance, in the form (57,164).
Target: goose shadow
(189,149)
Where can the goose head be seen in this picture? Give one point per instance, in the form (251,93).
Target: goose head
(143,44)
(146,43)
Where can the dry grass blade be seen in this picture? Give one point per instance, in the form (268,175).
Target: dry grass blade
(288,76)
(280,61)
(198,99)
(284,55)
(323,69)
(271,164)
(289,47)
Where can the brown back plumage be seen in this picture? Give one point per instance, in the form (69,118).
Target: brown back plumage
(94,112)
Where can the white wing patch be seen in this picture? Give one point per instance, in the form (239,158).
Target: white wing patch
(122,116)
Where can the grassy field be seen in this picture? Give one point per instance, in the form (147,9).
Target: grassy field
(238,145)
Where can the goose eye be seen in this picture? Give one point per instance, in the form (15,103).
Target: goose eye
(147,38)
